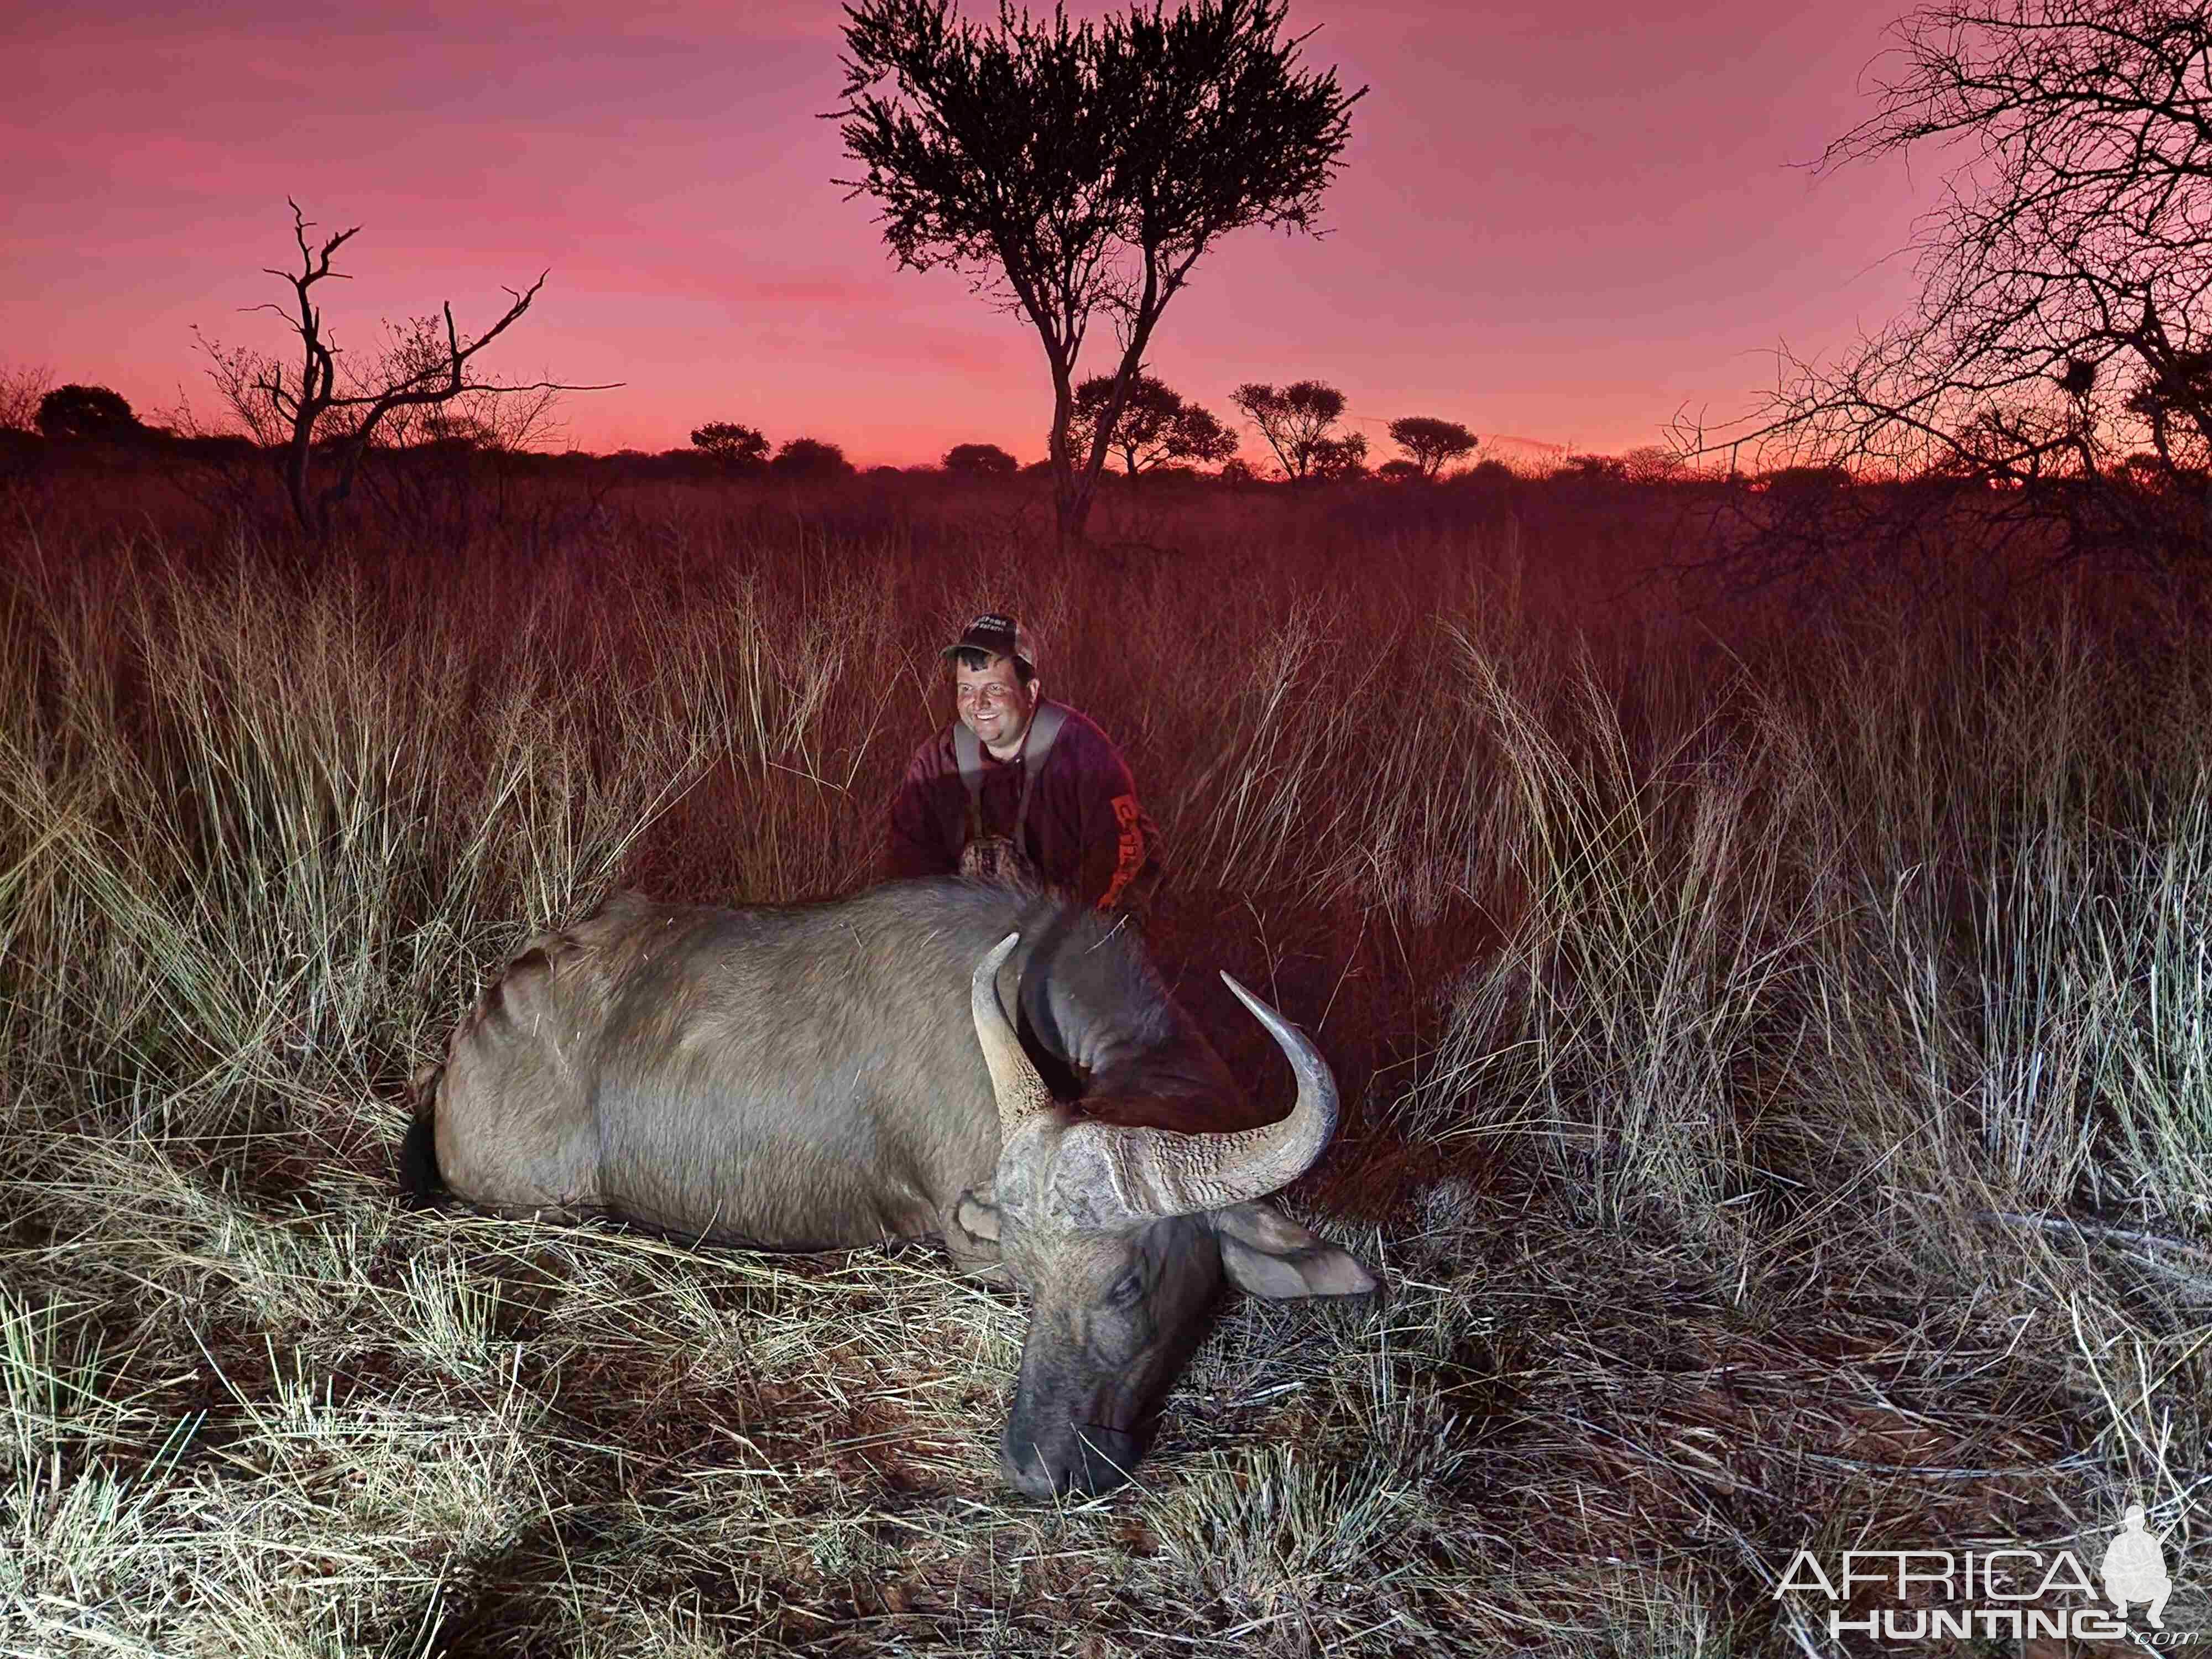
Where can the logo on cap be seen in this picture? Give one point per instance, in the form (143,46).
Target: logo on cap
(999,634)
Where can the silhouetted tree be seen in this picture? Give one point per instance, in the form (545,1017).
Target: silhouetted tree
(1652,463)
(1077,169)
(2146,472)
(1337,460)
(1297,423)
(2171,401)
(980,460)
(1156,425)
(1431,442)
(83,412)
(737,447)
(1197,434)
(440,472)
(1399,471)
(1593,469)
(1803,480)
(315,413)
(810,457)
(2065,314)
(22,389)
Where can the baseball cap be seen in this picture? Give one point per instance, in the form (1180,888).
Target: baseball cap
(1000,635)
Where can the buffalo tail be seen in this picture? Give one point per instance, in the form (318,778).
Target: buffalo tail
(420,1184)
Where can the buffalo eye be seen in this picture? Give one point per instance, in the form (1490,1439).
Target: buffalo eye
(1126,1288)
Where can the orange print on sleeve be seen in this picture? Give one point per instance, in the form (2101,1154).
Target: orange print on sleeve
(1129,847)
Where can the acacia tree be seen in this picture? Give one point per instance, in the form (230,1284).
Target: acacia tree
(2065,317)
(740,449)
(319,412)
(1430,442)
(1155,426)
(1081,170)
(1298,421)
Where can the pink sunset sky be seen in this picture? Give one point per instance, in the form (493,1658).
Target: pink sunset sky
(1553,223)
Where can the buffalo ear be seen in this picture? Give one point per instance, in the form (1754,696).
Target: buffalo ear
(971,1237)
(1267,1255)
(976,1215)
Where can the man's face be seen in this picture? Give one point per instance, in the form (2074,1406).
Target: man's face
(993,704)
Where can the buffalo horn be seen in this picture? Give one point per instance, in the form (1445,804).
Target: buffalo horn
(1162,1172)
(1014,1081)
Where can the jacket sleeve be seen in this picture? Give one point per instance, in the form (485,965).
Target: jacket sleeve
(917,838)
(1114,847)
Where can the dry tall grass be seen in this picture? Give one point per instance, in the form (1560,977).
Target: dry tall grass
(1780,1071)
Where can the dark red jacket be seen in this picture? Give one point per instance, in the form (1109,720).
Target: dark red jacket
(1085,832)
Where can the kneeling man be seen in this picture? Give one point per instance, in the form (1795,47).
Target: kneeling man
(1019,788)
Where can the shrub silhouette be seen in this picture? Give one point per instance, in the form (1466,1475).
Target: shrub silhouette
(1593,469)
(1805,480)
(810,457)
(980,460)
(1335,460)
(740,449)
(76,413)
(22,389)
(1652,463)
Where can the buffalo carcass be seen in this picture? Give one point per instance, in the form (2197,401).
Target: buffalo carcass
(805,1077)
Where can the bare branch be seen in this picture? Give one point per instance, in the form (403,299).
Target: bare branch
(2062,343)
